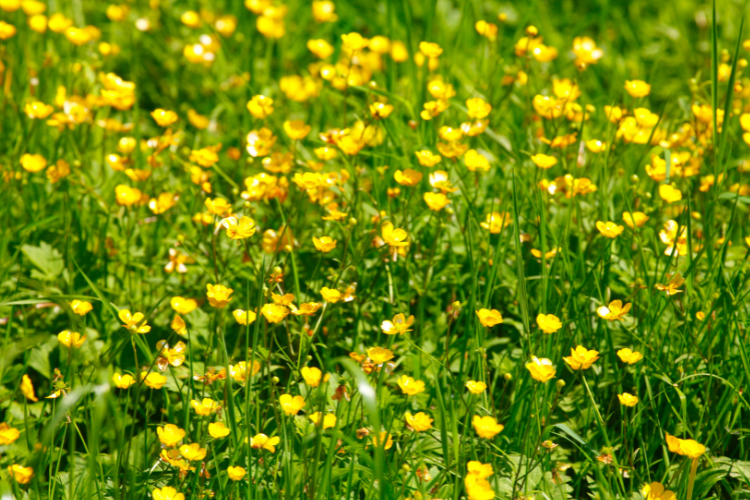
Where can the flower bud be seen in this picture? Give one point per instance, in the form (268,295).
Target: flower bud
(508,377)
(560,384)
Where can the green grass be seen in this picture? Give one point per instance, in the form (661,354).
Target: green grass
(568,437)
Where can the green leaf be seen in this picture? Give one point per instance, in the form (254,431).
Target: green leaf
(46,258)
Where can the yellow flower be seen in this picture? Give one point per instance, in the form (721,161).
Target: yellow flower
(311,375)
(478,108)
(634,219)
(123,381)
(382,439)
(193,452)
(428,158)
(669,193)
(628,356)
(238,229)
(198,120)
(381,110)
(544,161)
(218,430)
(541,370)
(672,288)
(205,407)
(420,422)
(627,399)
(167,493)
(8,434)
(409,386)
(153,380)
(330,295)
(581,358)
(274,313)
(320,48)
(183,305)
(260,106)
(205,157)
(486,427)
(33,163)
(244,317)
(306,309)
(496,222)
(548,323)
(70,339)
(236,473)
(296,129)
(37,109)
(81,307)
(324,244)
(329,420)
(637,88)
(430,49)
(354,41)
(479,469)
(217,206)
(218,295)
(596,146)
(38,23)
(191,19)
(476,162)
(686,447)
(586,51)
(609,229)
(20,474)
(489,317)
(324,11)
(407,177)
(27,388)
(127,196)
(615,310)
(436,201)
(394,237)
(476,387)
(170,435)
(291,405)
(7,31)
(656,491)
(136,323)
(379,355)
(163,117)
(239,371)
(398,326)
(264,442)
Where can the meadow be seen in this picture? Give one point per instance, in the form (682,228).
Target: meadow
(374,250)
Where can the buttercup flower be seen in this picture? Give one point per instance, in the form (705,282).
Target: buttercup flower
(218,295)
(489,317)
(291,404)
(541,370)
(170,435)
(8,434)
(628,356)
(311,375)
(486,427)
(218,430)
(398,326)
(548,323)
(193,452)
(409,386)
(476,387)
(236,473)
(329,420)
(615,310)
(20,474)
(581,358)
(261,441)
(72,340)
(627,399)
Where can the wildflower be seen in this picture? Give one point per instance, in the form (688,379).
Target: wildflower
(609,229)
(382,439)
(496,222)
(379,355)
(8,434)
(436,201)
(183,305)
(408,177)
(33,163)
(244,317)
(218,295)
(205,407)
(329,420)
(398,326)
(218,430)
(324,11)
(672,288)
(20,474)
(218,206)
(136,323)
(262,441)
(476,387)
(238,229)
(656,491)
(409,386)
(80,307)
(544,161)
(311,375)
(163,117)
(541,370)
(27,388)
(476,162)
(324,244)
(239,371)
(420,422)
(428,158)
(669,193)
(548,323)
(486,427)
(381,110)
(167,493)
(72,340)
(291,405)
(193,452)
(127,196)
(615,310)
(296,129)
(306,309)
(236,473)
(163,202)
(394,237)
(596,146)
(637,88)
(330,295)
(581,358)
(686,447)
(260,106)
(169,435)
(634,219)
(489,317)
(274,313)
(154,380)
(586,51)
(627,399)
(628,356)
